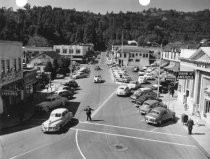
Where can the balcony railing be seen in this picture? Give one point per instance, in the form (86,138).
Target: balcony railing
(9,77)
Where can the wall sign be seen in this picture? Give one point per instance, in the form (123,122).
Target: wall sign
(186,75)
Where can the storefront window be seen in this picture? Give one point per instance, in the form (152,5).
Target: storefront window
(8,66)
(14,65)
(3,66)
(207,106)
(19,63)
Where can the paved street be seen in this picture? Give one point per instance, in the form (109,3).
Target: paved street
(117,130)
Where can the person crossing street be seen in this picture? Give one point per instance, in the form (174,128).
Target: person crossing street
(88,112)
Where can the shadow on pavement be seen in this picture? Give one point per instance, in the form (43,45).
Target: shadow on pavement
(38,118)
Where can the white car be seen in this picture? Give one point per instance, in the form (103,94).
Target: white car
(97,79)
(142,79)
(148,76)
(141,73)
(123,90)
(58,118)
(134,85)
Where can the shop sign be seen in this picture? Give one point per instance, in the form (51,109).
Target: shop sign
(9,93)
(186,75)
(170,79)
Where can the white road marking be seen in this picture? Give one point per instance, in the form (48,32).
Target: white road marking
(128,128)
(76,137)
(34,149)
(133,137)
(97,110)
(153,129)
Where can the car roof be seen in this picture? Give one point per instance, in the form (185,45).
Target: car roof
(151,101)
(159,109)
(122,86)
(59,110)
(145,88)
(52,96)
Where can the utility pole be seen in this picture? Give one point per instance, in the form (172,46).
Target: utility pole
(122,50)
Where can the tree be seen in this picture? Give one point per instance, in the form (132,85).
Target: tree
(55,68)
(48,67)
(37,41)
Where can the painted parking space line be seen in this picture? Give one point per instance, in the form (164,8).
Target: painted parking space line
(134,137)
(135,129)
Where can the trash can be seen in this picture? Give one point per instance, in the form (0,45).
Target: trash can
(184,119)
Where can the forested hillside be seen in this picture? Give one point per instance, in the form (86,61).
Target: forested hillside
(46,26)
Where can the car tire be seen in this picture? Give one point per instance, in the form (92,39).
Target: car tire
(47,109)
(174,118)
(159,123)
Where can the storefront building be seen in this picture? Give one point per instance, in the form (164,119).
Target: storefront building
(194,90)
(11,74)
(29,81)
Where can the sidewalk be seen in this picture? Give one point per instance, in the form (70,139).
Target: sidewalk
(200,134)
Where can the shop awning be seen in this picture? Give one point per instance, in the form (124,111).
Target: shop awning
(164,63)
(173,66)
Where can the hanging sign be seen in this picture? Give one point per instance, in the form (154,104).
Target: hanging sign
(186,75)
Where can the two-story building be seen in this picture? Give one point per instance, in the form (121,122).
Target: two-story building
(194,89)
(132,55)
(30,52)
(39,62)
(75,52)
(11,74)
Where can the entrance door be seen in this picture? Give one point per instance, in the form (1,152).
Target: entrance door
(207,106)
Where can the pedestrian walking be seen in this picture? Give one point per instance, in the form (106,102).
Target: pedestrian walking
(190,124)
(172,92)
(88,112)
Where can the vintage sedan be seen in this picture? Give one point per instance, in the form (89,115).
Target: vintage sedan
(72,83)
(148,105)
(97,79)
(158,115)
(80,75)
(134,85)
(123,90)
(51,102)
(65,93)
(58,119)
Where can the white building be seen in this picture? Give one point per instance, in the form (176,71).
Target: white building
(195,92)
(11,74)
(75,52)
(132,55)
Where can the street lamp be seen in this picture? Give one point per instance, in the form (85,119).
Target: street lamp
(160,45)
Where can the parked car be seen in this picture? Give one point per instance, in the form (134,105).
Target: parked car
(141,73)
(158,115)
(123,90)
(149,95)
(149,76)
(134,85)
(97,79)
(142,79)
(135,69)
(65,93)
(149,105)
(97,68)
(59,76)
(161,88)
(51,102)
(71,83)
(80,75)
(71,89)
(58,119)
(140,92)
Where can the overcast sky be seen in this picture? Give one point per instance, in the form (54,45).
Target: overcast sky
(102,6)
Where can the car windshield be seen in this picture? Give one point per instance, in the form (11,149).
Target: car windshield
(55,115)
(155,112)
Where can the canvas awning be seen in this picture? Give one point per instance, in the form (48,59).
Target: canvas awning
(164,63)
(173,66)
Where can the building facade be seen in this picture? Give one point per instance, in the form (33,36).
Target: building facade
(75,52)
(30,52)
(11,86)
(39,62)
(195,92)
(132,55)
